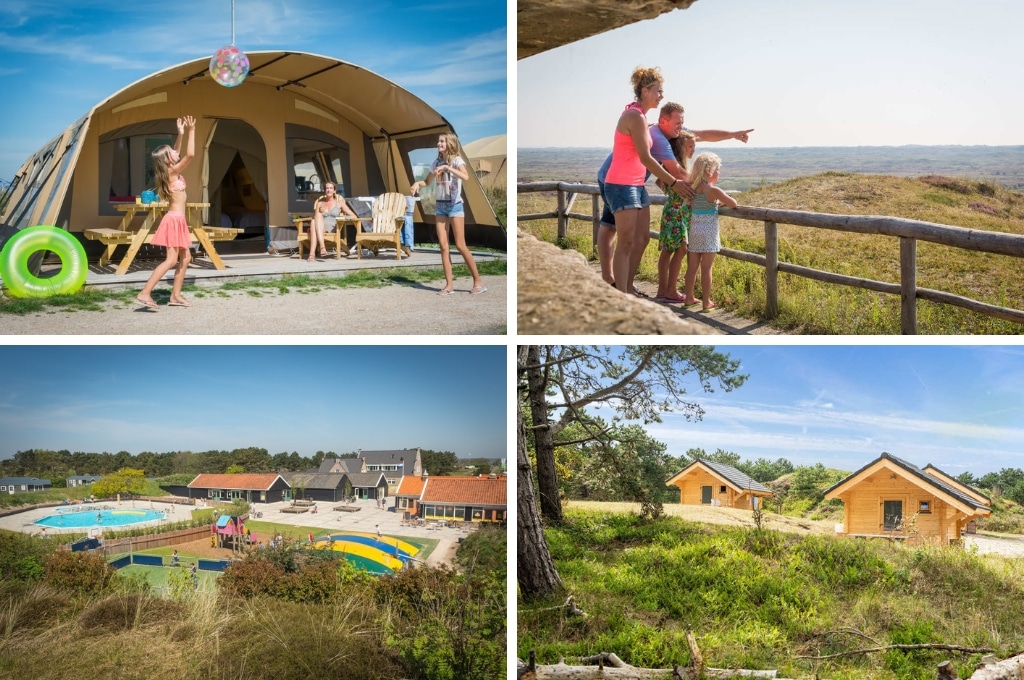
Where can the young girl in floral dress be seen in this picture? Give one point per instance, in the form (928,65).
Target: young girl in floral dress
(675,223)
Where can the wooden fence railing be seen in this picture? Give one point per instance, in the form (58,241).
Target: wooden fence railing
(908,231)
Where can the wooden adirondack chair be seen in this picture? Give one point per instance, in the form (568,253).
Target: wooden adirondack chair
(388,218)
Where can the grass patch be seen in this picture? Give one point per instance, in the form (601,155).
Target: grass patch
(760,599)
(96,301)
(807,306)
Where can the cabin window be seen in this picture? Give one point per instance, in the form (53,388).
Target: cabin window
(892,515)
(721,489)
(925,507)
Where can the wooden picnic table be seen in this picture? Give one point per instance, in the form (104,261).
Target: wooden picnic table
(124,233)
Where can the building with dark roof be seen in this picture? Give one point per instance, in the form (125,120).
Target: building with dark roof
(252,488)
(329,488)
(892,497)
(394,463)
(704,482)
(82,480)
(23,484)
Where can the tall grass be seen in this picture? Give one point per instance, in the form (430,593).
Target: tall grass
(315,616)
(759,599)
(808,306)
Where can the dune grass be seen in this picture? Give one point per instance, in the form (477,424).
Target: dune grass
(760,599)
(812,307)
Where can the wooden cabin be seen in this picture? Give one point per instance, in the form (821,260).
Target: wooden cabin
(893,498)
(703,482)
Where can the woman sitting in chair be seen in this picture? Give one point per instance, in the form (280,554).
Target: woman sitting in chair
(326,211)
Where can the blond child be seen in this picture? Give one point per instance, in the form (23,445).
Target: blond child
(704,235)
(173,233)
(450,171)
(675,222)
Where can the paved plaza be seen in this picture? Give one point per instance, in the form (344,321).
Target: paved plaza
(323,522)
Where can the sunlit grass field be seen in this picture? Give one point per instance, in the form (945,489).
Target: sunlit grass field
(762,599)
(812,307)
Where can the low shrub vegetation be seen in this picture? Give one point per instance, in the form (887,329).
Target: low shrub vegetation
(279,613)
(761,599)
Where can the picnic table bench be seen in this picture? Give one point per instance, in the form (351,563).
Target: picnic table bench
(134,238)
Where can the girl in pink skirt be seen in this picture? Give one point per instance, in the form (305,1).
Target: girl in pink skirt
(173,232)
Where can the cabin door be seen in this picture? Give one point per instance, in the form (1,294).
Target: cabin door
(705,495)
(892,515)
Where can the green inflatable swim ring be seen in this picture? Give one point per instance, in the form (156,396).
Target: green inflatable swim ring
(22,283)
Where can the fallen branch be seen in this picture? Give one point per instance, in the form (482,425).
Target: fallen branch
(884,648)
(1012,667)
(569,605)
(610,666)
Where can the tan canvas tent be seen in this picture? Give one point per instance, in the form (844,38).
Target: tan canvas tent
(264,149)
(489,158)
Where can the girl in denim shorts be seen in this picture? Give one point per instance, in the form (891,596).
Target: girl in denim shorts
(450,171)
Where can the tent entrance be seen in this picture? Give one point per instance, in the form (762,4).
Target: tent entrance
(235,178)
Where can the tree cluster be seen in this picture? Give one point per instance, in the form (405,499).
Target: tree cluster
(61,464)
(560,391)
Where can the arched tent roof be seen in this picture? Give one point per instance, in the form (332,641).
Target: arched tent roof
(496,145)
(489,157)
(379,108)
(391,120)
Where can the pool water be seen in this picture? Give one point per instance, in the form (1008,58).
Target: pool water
(100,518)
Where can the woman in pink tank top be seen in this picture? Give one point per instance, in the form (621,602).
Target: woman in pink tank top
(624,185)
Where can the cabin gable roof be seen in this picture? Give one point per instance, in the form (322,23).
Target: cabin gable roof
(739,481)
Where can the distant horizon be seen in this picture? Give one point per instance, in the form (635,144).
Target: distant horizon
(799,73)
(819,146)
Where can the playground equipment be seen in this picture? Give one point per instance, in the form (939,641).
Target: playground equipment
(228,532)
(377,556)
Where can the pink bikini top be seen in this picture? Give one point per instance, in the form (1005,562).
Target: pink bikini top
(178,184)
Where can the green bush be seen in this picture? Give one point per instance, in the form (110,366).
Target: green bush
(450,626)
(79,572)
(251,577)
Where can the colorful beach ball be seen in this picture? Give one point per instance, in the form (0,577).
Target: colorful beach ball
(229,66)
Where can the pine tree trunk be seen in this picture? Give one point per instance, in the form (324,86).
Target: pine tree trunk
(534,567)
(543,439)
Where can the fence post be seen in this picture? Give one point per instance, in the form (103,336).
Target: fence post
(563,221)
(596,212)
(771,270)
(908,285)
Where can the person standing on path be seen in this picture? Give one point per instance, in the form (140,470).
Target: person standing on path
(173,231)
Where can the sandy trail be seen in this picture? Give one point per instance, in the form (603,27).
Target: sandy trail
(413,309)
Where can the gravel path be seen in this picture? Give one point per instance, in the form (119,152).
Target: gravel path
(412,309)
(992,545)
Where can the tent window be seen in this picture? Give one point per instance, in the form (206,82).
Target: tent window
(126,162)
(316,158)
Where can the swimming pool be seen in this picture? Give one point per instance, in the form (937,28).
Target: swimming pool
(100,518)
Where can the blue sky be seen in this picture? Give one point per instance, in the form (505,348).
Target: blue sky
(960,408)
(303,399)
(801,72)
(59,59)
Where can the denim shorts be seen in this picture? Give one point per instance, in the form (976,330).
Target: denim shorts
(449,209)
(622,197)
(607,216)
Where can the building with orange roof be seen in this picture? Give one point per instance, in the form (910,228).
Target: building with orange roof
(262,488)
(470,499)
(407,496)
